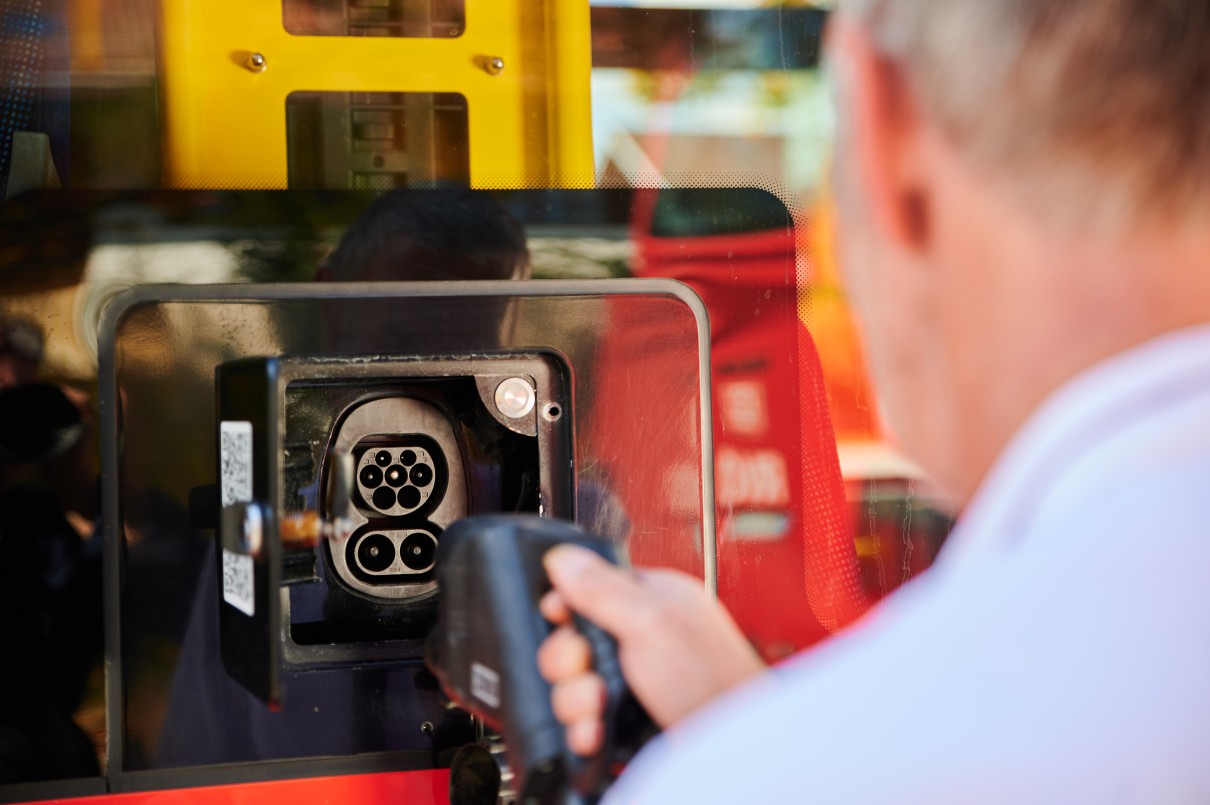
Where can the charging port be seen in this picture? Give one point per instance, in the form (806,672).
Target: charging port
(383,556)
(401,477)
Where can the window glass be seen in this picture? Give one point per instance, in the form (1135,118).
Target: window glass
(375,140)
(708,122)
(422,18)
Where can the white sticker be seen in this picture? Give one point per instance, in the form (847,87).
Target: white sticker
(485,684)
(235,462)
(238,588)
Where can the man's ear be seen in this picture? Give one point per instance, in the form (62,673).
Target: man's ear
(881,119)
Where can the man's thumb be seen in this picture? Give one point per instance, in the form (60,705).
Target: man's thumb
(600,591)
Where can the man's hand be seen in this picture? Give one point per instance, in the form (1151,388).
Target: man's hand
(678,649)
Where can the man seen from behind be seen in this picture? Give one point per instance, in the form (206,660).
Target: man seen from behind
(1023,188)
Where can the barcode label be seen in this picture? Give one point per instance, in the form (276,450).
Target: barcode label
(238,590)
(485,684)
(235,462)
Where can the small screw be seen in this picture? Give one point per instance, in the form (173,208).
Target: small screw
(494,65)
(256,62)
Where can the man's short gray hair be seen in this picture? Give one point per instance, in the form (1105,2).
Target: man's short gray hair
(1106,99)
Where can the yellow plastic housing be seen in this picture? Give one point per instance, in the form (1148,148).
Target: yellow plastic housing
(225,114)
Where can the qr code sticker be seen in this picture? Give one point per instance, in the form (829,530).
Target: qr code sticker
(238,590)
(235,462)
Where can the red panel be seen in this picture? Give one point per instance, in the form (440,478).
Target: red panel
(788,568)
(394,788)
(644,445)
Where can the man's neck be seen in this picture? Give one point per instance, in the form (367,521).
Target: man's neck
(1057,304)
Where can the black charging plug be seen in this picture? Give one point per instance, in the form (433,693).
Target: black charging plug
(484,652)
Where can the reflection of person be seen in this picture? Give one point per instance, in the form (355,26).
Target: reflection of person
(449,233)
(404,235)
(443,234)
(1022,190)
(50,570)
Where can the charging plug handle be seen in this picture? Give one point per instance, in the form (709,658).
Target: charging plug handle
(484,652)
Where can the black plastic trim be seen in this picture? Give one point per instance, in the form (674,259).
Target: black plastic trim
(271,770)
(53,789)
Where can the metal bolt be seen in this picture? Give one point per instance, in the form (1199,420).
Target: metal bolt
(515,398)
(256,62)
(494,65)
(254,529)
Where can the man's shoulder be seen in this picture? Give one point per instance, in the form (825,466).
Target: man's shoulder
(1141,470)
(1090,621)
(1128,432)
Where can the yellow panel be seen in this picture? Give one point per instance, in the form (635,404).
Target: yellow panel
(530,124)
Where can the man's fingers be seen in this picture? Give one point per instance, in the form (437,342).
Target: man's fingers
(584,737)
(581,698)
(563,655)
(554,608)
(606,594)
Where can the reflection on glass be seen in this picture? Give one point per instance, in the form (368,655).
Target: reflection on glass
(706,39)
(375,140)
(778,555)
(419,18)
(415,380)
